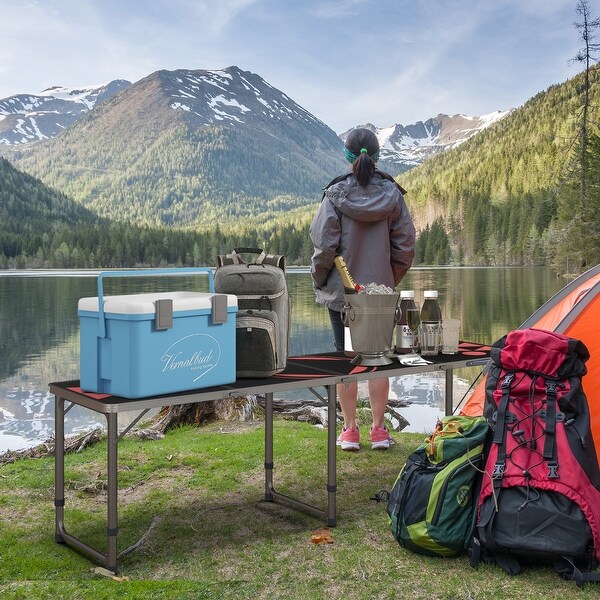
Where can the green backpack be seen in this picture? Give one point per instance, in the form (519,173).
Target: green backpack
(433,501)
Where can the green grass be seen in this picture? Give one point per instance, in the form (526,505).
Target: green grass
(216,538)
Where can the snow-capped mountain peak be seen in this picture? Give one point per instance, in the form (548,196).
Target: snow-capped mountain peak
(226,96)
(405,146)
(27,118)
(229,95)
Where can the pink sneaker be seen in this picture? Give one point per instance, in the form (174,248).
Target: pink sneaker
(349,439)
(381,438)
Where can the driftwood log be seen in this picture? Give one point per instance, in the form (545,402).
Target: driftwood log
(73,444)
(241,408)
(244,408)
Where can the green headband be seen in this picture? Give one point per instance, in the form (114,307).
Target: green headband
(351,157)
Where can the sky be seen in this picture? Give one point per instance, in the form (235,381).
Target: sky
(348,62)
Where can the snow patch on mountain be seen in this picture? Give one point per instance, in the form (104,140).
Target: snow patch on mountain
(29,118)
(230,95)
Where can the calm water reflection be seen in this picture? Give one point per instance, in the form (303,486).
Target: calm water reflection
(39,334)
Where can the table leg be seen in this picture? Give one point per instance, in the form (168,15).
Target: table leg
(271,494)
(269,447)
(331,454)
(61,534)
(112,497)
(59,468)
(449,392)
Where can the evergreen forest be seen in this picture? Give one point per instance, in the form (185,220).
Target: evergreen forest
(525,191)
(513,194)
(42,228)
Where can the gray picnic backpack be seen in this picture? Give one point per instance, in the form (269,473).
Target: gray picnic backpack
(264,310)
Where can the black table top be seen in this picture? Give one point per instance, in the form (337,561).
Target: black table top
(300,372)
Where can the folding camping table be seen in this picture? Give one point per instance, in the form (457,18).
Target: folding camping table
(302,372)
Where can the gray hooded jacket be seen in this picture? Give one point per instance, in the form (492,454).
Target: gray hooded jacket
(370,227)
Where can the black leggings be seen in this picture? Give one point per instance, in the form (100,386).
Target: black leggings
(337,324)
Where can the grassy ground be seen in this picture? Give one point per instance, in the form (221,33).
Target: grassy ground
(215,538)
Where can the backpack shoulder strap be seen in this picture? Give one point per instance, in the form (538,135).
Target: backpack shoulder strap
(229,259)
(277,260)
(377,172)
(567,569)
(234,258)
(390,178)
(334,181)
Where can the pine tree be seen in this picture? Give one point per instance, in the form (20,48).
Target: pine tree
(577,244)
(587,27)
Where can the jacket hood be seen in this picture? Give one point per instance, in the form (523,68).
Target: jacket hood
(376,201)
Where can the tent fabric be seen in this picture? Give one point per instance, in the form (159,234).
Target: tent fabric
(573,311)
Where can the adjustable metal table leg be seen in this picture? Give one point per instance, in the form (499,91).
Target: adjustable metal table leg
(272,495)
(331,454)
(269,447)
(112,498)
(449,400)
(59,468)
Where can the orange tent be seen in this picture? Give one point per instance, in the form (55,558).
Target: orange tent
(573,311)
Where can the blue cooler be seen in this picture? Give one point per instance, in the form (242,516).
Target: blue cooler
(157,343)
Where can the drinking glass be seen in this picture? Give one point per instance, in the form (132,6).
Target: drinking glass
(450,336)
(413,320)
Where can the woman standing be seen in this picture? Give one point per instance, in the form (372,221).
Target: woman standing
(363,218)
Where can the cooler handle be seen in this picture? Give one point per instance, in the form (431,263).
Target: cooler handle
(145,272)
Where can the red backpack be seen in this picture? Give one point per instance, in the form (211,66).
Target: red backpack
(540,493)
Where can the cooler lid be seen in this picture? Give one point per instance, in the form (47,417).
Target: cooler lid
(142,304)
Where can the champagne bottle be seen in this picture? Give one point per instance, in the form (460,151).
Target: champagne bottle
(350,286)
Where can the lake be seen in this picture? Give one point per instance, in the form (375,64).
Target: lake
(39,334)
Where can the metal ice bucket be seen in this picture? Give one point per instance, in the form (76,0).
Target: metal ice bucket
(371,318)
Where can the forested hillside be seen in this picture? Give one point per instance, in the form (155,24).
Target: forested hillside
(501,197)
(27,207)
(513,194)
(42,228)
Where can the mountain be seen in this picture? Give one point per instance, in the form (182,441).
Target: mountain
(191,148)
(30,118)
(195,147)
(505,196)
(226,151)
(27,119)
(404,147)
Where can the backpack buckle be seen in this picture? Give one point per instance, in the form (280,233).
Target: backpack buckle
(551,387)
(498,471)
(553,470)
(559,417)
(507,380)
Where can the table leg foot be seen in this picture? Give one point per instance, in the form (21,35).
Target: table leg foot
(269,495)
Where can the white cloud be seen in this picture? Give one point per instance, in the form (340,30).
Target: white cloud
(346,61)
(207,17)
(338,9)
